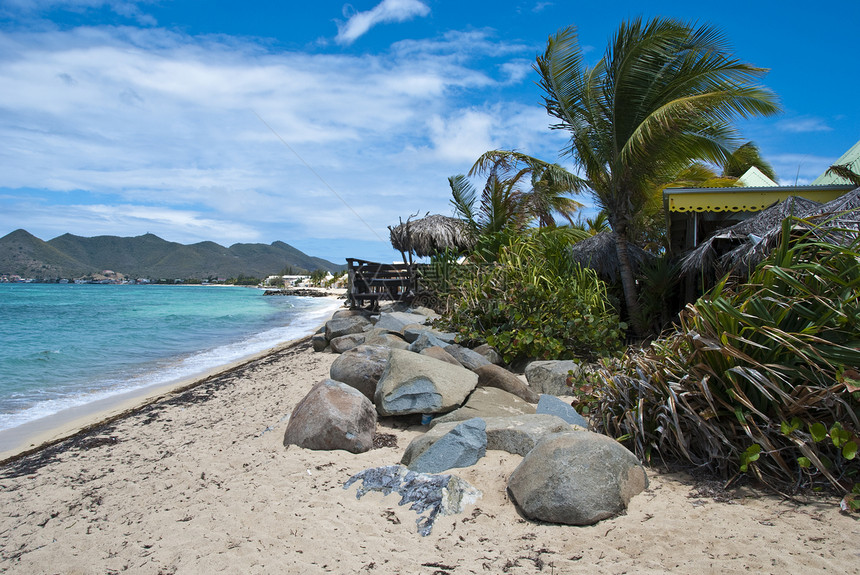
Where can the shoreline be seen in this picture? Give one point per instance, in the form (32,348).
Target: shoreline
(200,481)
(32,436)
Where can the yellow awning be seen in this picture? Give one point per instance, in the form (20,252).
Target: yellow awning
(744,199)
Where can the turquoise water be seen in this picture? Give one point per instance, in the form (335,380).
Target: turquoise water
(67,345)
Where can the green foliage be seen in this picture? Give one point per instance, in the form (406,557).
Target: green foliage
(771,363)
(534,303)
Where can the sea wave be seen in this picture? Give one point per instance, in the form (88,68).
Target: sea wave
(18,409)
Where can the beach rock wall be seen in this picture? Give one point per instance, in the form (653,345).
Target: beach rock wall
(395,365)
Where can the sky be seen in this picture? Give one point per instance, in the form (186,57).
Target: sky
(322,123)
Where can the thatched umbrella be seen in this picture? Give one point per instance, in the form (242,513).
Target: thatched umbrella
(430,234)
(746,233)
(600,254)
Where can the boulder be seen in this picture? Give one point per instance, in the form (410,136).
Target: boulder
(552,405)
(424,341)
(341,326)
(385,338)
(342,313)
(397,320)
(425,311)
(440,354)
(461,446)
(576,479)
(415,383)
(413,331)
(319,342)
(551,377)
(487,402)
(516,434)
(489,353)
(332,416)
(494,376)
(361,367)
(467,357)
(346,342)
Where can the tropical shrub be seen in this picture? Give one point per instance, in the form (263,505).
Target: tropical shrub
(534,303)
(760,377)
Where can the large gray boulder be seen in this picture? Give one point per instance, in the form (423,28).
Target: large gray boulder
(342,313)
(494,376)
(361,367)
(576,479)
(467,357)
(346,342)
(487,402)
(397,320)
(341,326)
(516,434)
(552,405)
(332,416)
(551,376)
(440,354)
(415,383)
(461,446)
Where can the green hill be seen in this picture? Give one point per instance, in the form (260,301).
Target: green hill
(71,256)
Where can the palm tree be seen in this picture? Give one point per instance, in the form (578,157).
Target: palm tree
(550,184)
(498,213)
(743,158)
(662,96)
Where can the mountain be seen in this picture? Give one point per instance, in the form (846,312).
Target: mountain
(70,256)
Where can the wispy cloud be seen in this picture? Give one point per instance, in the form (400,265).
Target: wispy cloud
(802,125)
(166,127)
(386,11)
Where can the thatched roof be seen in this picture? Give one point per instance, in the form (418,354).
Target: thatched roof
(755,238)
(599,253)
(430,234)
(706,253)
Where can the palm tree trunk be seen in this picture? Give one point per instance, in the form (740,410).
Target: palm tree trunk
(631,297)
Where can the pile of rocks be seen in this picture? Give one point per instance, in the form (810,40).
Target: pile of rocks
(394,364)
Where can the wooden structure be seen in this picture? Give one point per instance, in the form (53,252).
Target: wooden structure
(372,282)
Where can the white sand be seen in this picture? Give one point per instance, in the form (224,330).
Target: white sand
(200,482)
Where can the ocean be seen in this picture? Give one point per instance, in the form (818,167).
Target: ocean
(66,345)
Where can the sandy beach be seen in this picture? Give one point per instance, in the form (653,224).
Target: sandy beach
(199,481)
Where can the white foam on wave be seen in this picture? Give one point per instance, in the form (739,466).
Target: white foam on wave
(184,368)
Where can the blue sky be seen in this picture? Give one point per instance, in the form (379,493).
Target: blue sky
(322,123)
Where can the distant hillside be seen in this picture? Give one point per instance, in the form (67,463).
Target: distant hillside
(70,256)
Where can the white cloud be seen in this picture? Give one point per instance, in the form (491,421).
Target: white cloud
(386,11)
(161,121)
(802,125)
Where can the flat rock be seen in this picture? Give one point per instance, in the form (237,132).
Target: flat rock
(494,376)
(428,495)
(332,416)
(440,354)
(361,367)
(576,479)
(413,331)
(424,341)
(467,357)
(385,338)
(487,402)
(415,383)
(461,446)
(346,342)
(551,377)
(397,320)
(341,326)
(517,434)
(552,405)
